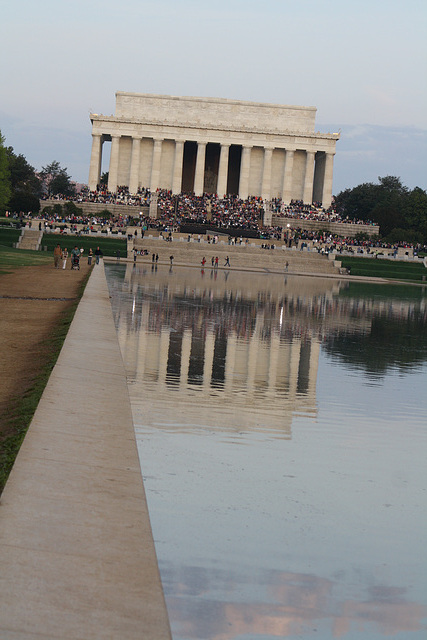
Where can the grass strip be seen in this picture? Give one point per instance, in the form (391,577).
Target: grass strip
(109,246)
(20,411)
(380,268)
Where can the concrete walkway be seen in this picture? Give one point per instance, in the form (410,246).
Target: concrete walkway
(77,558)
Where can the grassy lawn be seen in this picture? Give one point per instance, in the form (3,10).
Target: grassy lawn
(108,246)
(9,236)
(12,258)
(378,268)
(19,413)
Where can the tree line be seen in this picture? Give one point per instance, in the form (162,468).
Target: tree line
(401,213)
(21,186)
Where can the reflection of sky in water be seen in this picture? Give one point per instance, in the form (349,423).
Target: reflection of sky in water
(286,486)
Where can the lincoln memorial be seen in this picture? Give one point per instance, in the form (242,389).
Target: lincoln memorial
(214,145)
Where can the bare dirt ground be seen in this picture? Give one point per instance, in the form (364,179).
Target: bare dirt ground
(33,300)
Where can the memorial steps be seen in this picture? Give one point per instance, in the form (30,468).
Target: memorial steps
(245,256)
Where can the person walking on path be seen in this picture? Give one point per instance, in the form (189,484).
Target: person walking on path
(286,265)
(89,257)
(216,262)
(171,259)
(64,258)
(57,255)
(98,254)
(203,262)
(227,262)
(213,260)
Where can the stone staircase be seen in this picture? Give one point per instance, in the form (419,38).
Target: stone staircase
(30,239)
(241,256)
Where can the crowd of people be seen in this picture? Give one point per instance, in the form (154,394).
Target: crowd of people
(230,211)
(230,215)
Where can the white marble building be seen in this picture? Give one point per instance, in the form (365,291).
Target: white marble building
(214,145)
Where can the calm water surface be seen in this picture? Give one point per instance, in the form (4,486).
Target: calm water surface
(281,426)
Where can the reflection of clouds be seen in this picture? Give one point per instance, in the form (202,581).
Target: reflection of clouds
(280,604)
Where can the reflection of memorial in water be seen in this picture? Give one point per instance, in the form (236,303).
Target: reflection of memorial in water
(242,343)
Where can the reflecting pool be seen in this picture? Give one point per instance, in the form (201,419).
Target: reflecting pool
(281,426)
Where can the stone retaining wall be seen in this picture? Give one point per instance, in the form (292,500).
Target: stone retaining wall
(338,228)
(95,208)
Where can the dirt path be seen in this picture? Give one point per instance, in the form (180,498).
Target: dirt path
(33,300)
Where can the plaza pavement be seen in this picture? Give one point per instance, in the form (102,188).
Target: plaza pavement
(77,555)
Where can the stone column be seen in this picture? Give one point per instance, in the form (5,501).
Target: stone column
(114,164)
(287,176)
(155,164)
(199,177)
(244,172)
(327,181)
(134,165)
(95,162)
(266,174)
(221,188)
(177,167)
(308,179)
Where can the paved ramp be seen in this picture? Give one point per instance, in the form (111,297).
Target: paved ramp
(77,556)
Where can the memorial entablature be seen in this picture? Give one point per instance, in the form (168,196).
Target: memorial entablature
(213,145)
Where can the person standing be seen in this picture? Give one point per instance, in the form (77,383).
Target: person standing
(89,257)
(57,255)
(227,262)
(64,258)
(98,254)
(203,261)
(216,262)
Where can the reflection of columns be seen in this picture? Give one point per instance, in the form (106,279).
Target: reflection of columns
(151,356)
(185,357)
(327,181)
(287,177)
(223,170)
(134,165)
(266,174)
(244,172)
(253,351)
(312,371)
(114,164)
(95,162)
(294,366)
(155,165)
(199,177)
(164,353)
(209,357)
(274,361)
(230,361)
(177,167)
(308,179)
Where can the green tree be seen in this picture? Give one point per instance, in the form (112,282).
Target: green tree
(56,180)
(23,176)
(389,204)
(24,202)
(5,189)
(71,209)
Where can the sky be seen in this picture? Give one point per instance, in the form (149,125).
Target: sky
(362,63)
